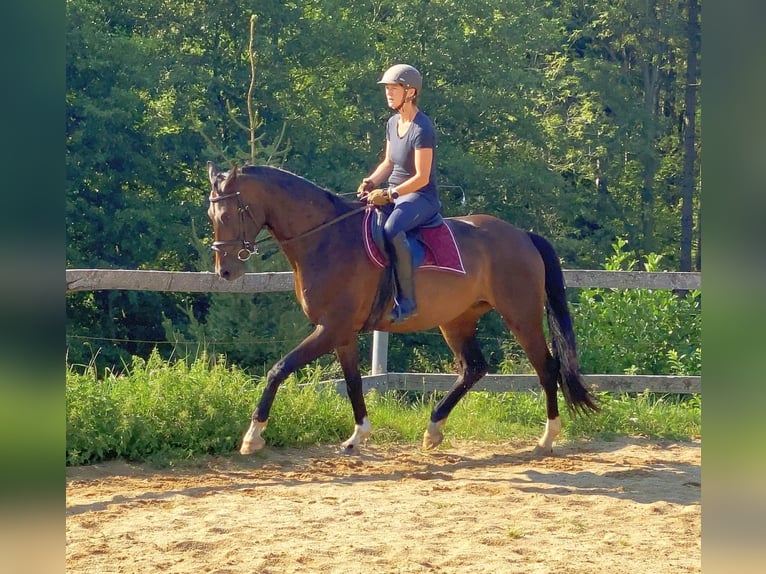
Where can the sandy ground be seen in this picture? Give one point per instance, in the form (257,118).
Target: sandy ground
(629,506)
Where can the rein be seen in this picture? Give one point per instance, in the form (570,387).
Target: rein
(250,248)
(324,225)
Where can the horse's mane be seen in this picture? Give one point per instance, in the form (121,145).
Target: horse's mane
(287,180)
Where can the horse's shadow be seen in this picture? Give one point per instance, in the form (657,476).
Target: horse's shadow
(661,480)
(644,486)
(644,483)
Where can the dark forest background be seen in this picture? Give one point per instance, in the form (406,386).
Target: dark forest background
(577,119)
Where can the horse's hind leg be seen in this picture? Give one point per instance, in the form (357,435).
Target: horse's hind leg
(348,356)
(461,338)
(548,380)
(528,330)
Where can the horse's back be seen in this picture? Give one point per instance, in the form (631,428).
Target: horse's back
(488,243)
(488,231)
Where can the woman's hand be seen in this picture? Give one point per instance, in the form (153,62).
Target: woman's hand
(365,187)
(378,197)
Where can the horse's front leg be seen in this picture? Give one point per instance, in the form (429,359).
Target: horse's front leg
(315,345)
(348,356)
(461,338)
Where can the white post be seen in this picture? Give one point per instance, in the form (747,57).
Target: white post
(379,353)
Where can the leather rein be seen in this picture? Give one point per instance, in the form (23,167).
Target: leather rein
(249,248)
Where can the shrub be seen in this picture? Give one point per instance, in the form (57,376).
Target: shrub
(638,330)
(156,408)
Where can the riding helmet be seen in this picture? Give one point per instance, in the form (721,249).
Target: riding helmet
(403,74)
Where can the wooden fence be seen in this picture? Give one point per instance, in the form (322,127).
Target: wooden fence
(380,378)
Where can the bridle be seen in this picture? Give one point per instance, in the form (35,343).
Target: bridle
(250,248)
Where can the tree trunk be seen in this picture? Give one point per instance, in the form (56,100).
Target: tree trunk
(688,183)
(650,73)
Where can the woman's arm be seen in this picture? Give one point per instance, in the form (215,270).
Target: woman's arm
(424,157)
(379,175)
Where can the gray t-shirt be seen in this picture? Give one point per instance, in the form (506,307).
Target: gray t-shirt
(421,134)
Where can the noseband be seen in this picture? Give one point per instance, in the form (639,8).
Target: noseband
(248,247)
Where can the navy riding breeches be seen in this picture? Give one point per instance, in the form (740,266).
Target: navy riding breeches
(410,211)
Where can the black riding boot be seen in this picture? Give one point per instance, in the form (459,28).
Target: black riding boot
(404,306)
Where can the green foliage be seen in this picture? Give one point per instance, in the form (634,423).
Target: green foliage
(498,416)
(163,412)
(674,417)
(488,416)
(564,119)
(638,330)
(156,409)
(308,413)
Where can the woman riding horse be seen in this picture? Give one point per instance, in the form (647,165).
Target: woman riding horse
(343,292)
(409,166)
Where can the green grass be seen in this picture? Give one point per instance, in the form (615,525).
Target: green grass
(160,411)
(486,416)
(478,416)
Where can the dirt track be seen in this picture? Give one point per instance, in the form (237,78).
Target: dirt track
(630,506)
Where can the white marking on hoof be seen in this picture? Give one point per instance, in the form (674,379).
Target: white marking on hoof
(552,430)
(253,441)
(361,432)
(433,436)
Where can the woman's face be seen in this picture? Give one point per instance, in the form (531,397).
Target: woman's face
(394,95)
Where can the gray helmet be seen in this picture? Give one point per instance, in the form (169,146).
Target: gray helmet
(403,74)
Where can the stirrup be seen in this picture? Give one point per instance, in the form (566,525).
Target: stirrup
(407,309)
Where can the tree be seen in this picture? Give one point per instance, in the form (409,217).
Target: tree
(572,118)
(689,182)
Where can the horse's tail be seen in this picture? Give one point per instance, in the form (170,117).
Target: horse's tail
(577,397)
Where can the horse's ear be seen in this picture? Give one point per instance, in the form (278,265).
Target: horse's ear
(230,177)
(212,172)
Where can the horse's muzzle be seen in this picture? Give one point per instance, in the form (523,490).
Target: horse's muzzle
(229,273)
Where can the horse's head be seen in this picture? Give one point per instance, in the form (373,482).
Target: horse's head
(235,224)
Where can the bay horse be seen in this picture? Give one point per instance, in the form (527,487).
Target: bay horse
(342,292)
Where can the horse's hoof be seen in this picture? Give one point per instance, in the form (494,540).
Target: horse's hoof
(361,433)
(349,449)
(433,436)
(253,441)
(430,442)
(251,446)
(545,444)
(542,451)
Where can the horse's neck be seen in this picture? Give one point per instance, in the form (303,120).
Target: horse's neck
(290,213)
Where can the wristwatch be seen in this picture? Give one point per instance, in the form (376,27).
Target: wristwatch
(392,193)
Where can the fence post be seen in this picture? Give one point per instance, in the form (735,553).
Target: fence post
(379,353)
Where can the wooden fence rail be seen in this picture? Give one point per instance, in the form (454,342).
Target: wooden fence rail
(191,282)
(429,382)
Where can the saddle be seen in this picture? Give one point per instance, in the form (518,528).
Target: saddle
(432,244)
